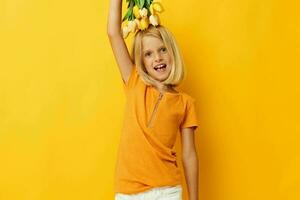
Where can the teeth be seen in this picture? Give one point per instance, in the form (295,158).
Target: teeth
(159,66)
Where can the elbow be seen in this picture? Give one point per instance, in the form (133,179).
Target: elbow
(189,156)
(113,32)
(190,161)
(110,33)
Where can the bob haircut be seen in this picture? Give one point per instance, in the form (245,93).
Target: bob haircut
(177,73)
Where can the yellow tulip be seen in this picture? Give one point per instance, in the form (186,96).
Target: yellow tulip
(143,12)
(125,23)
(125,31)
(157,7)
(137,23)
(144,23)
(154,20)
(132,26)
(136,12)
(151,9)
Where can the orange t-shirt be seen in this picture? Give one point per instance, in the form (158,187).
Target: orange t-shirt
(152,121)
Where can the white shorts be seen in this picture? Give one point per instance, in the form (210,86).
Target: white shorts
(157,193)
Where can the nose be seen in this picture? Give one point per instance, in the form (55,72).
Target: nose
(158,57)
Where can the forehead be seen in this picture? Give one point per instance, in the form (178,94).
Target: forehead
(150,43)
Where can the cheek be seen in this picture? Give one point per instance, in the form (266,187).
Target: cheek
(147,63)
(168,58)
(170,61)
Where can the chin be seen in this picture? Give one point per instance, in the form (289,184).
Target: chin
(160,77)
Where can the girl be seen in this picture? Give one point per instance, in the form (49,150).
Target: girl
(146,167)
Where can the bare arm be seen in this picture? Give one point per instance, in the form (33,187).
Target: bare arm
(117,42)
(190,162)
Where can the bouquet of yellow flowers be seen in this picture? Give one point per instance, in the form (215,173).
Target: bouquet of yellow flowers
(141,13)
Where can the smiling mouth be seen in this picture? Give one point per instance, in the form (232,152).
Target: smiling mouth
(160,68)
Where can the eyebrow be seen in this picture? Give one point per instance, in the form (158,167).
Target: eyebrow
(158,48)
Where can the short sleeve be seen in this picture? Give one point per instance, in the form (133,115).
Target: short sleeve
(190,118)
(132,80)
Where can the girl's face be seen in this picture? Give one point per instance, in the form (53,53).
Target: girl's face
(156,58)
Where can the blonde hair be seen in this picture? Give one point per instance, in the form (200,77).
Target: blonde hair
(178,71)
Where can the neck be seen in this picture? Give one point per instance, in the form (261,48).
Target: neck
(163,88)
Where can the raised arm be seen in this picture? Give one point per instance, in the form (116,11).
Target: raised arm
(117,42)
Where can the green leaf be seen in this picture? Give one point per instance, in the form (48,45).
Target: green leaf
(142,3)
(131,3)
(129,12)
(137,2)
(147,5)
(130,17)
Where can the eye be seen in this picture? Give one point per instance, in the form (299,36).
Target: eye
(164,49)
(147,54)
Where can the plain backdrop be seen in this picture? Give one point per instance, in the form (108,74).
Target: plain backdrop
(62,101)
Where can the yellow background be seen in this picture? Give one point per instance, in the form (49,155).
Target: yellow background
(61,97)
